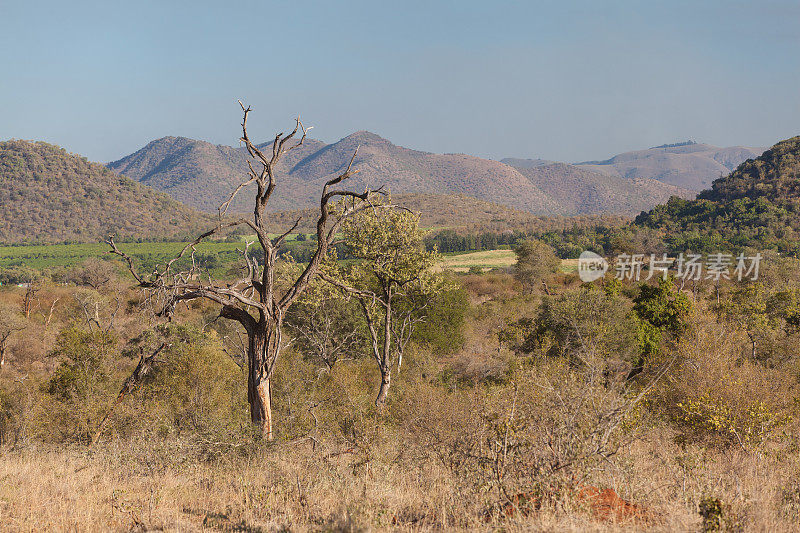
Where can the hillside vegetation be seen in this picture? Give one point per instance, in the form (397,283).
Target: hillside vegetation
(50,195)
(757,205)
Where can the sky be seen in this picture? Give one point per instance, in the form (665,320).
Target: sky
(563,80)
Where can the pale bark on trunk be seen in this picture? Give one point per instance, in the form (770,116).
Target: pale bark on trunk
(385,365)
(753,345)
(381,347)
(260,405)
(258,381)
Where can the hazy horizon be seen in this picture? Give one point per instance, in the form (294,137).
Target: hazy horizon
(572,82)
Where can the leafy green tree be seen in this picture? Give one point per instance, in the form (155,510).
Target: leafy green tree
(769,318)
(392,279)
(658,309)
(663,306)
(444,318)
(583,325)
(535,261)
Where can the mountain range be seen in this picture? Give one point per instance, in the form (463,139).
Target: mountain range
(50,195)
(202,174)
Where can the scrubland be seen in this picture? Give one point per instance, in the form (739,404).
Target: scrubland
(502,424)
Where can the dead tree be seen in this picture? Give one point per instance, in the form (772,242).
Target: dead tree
(28,299)
(49,316)
(256,301)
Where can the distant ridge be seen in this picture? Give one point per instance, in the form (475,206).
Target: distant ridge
(674,145)
(582,191)
(688,164)
(526,163)
(202,175)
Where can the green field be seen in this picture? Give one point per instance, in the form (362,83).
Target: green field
(65,255)
(44,256)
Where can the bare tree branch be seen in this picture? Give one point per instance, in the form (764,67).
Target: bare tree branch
(256,301)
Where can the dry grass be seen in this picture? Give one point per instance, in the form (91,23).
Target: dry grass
(291,488)
(171,461)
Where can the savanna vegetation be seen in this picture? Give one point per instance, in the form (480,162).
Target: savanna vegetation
(366,388)
(509,408)
(756,206)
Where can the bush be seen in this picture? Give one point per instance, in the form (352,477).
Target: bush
(80,387)
(443,328)
(535,261)
(713,397)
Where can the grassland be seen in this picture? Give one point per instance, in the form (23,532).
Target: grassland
(486,259)
(490,259)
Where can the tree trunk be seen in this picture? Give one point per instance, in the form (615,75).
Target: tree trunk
(258,391)
(260,405)
(386,379)
(385,363)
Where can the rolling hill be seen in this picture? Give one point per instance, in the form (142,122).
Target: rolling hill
(198,173)
(202,175)
(582,191)
(757,205)
(688,164)
(50,195)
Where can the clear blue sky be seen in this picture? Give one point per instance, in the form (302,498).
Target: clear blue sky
(561,80)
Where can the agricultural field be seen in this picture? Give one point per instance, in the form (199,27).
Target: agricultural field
(215,256)
(66,255)
(486,259)
(490,259)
